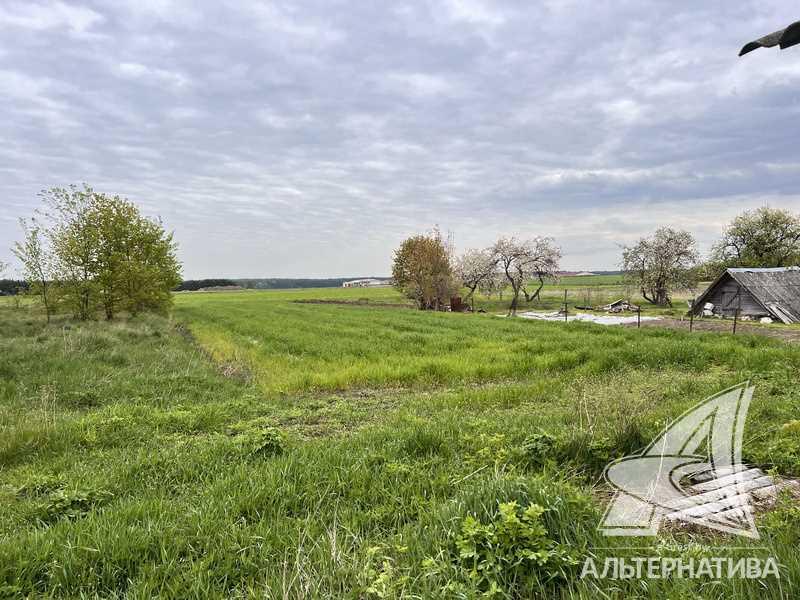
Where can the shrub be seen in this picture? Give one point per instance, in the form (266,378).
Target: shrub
(262,443)
(71,504)
(537,448)
(510,550)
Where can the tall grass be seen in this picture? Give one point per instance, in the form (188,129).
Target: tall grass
(300,347)
(344,457)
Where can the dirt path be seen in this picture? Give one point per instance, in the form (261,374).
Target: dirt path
(726,326)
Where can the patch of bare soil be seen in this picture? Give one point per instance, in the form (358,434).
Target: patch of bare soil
(726,326)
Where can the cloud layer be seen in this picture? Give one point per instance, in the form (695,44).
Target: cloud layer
(307,139)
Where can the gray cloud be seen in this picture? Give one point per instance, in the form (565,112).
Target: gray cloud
(282,139)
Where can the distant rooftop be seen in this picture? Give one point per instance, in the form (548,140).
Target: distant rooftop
(762,269)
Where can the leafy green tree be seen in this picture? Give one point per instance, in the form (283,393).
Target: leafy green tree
(137,265)
(37,264)
(147,268)
(422,270)
(765,237)
(107,255)
(74,238)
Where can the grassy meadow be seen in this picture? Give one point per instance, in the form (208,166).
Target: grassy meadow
(252,446)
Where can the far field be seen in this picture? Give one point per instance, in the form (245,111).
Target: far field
(256,446)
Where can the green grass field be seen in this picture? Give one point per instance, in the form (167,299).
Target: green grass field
(253,446)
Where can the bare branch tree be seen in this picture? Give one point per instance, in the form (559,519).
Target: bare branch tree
(472,268)
(535,260)
(495,283)
(660,264)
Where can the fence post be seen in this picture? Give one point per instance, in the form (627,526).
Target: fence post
(738,309)
(565,306)
(638,317)
(691,315)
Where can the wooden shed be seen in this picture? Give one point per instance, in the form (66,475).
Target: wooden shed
(773,293)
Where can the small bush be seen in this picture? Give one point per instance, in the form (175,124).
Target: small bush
(263,443)
(538,448)
(512,551)
(71,504)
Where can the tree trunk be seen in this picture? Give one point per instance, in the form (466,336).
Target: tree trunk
(536,293)
(512,310)
(45,301)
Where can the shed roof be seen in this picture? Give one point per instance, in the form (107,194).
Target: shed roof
(777,289)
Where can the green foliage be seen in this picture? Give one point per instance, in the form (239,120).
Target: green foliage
(423,272)
(91,252)
(539,447)
(784,449)
(263,442)
(765,237)
(782,522)
(38,264)
(501,555)
(63,504)
(39,486)
(293,347)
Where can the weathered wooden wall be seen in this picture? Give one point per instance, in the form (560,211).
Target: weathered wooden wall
(725,302)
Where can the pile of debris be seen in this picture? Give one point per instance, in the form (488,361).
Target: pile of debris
(619,306)
(708,311)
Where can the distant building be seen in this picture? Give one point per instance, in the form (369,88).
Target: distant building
(755,293)
(365,283)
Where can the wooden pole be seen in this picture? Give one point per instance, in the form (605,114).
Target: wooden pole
(691,316)
(738,309)
(565,306)
(638,317)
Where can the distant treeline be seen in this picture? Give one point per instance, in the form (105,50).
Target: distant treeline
(265,284)
(11,287)
(192,285)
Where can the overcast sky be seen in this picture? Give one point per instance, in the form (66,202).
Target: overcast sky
(308,138)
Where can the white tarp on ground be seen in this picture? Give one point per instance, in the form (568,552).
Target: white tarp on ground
(599,319)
